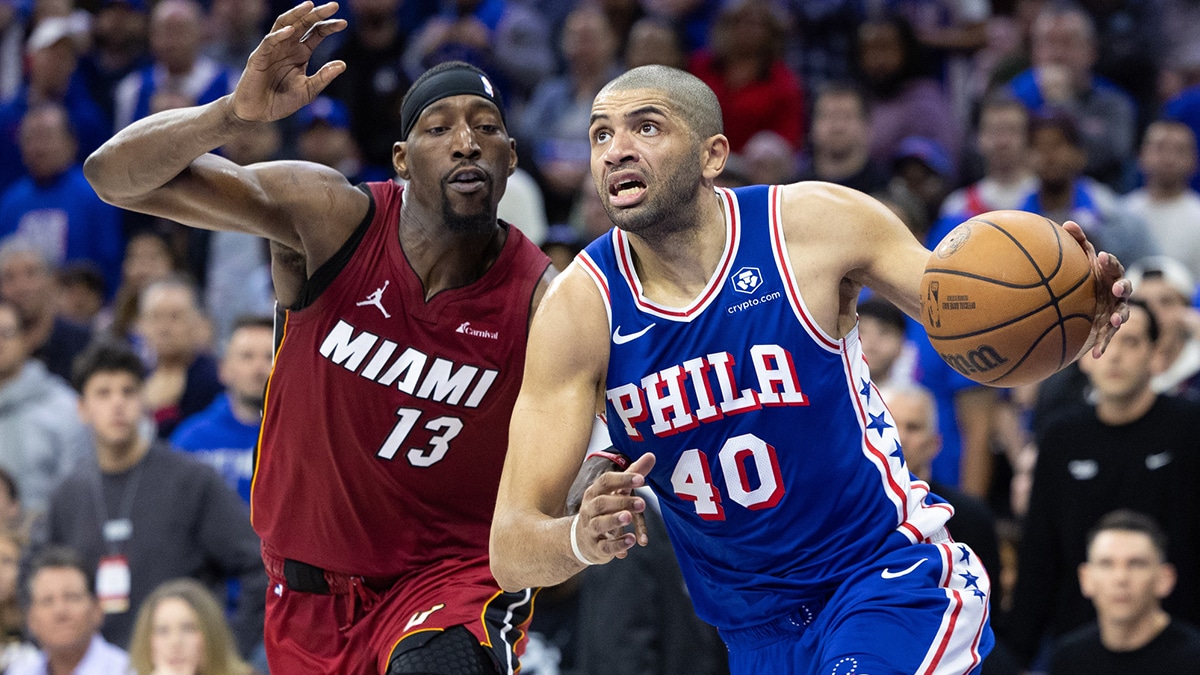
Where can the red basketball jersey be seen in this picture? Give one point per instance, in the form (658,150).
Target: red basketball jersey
(386,418)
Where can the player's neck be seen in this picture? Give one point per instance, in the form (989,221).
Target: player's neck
(676,265)
(1126,636)
(444,258)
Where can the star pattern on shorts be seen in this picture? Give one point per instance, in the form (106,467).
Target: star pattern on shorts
(966,554)
(972,580)
(866,390)
(878,423)
(898,453)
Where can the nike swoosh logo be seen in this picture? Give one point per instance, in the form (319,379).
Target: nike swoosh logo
(888,574)
(622,339)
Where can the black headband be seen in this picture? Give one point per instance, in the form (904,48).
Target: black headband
(450,82)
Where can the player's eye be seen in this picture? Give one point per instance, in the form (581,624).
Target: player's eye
(649,128)
(601,136)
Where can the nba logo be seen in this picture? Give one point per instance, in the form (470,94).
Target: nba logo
(487,86)
(746,280)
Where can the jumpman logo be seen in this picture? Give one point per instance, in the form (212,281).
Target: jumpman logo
(376,298)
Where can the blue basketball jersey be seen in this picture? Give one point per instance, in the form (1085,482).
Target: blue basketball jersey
(779,470)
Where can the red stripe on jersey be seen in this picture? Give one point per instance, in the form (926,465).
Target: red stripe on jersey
(792,286)
(625,262)
(882,457)
(593,271)
(941,651)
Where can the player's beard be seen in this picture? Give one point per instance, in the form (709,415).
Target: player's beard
(467,223)
(669,209)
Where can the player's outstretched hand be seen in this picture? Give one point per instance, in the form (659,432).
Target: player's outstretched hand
(608,507)
(276,83)
(1112,306)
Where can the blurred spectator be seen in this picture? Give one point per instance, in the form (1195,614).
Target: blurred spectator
(1127,576)
(148,258)
(588,216)
(1064,52)
(235,28)
(54,206)
(27,281)
(13,644)
(1167,204)
(951,31)
(1132,449)
(12,515)
(119,47)
(142,513)
(1134,50)
(904,100)
(179,75)
(52,53)
(374,84)
(40,432)
(181,630)
(1003,143)
(225,434)
(323,136)
(64,617)
(694,17)
(653,41)
(81,292)
(889,353)
(524,206)
(1167,288)
(562,244)
(770,159)
(922,168)
(13,14)
(554,126)
(522,45)
(183,380)
(1064,193)
(744,66)
(840,142)
(462,31)
(824,41)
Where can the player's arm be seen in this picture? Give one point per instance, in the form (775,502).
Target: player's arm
(162,164)
(531,539)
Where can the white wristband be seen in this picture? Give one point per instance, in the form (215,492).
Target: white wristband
(575,542)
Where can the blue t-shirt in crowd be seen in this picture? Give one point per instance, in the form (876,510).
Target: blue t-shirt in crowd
(217,438)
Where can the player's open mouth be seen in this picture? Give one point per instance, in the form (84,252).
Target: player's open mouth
(467,180)
(625,190)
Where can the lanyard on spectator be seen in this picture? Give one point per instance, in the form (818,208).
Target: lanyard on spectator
(120,529)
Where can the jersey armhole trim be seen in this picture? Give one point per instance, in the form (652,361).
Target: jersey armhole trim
(589,266)
(323,278)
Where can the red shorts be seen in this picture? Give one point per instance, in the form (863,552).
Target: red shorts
(356,627)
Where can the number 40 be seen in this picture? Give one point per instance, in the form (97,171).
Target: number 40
(692,480)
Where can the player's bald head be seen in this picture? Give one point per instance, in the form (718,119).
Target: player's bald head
(690,98)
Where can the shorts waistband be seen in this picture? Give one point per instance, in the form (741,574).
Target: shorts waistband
(793,624)
(302,577)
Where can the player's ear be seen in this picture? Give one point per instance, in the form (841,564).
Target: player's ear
(512,160)
(715,154)
(400,159)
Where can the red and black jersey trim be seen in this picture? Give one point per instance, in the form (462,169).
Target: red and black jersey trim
(323,278)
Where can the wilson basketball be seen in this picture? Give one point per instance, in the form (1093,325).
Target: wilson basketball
(1008,298)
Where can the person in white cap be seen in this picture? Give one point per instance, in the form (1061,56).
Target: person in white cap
(1167,287)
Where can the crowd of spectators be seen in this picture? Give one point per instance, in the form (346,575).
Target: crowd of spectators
(942,109)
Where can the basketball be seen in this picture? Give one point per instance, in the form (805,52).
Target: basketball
(1008,298)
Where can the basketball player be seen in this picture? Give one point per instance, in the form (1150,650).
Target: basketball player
(401,357)
(717,330)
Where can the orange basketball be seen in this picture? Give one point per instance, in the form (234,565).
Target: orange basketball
(1008,298)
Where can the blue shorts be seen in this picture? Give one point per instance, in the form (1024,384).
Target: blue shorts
(918,609)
